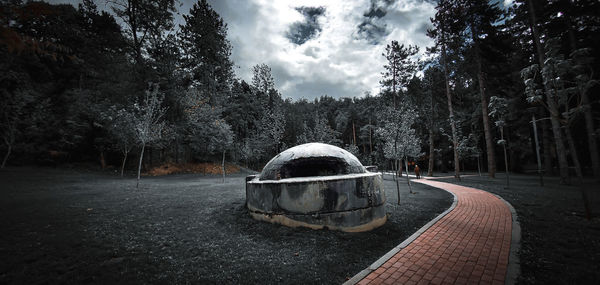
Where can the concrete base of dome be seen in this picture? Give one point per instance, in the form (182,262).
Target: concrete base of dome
(352,202)
(341,221)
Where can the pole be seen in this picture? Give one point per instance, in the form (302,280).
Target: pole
(537,150)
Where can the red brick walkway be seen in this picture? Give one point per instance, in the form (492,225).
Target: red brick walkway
(469,245)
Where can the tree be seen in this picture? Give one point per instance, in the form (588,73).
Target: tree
(149,122)
(442,23)
(555,69)
(13,116)
(262,78)
(499,110)
(206,52)
(220,140)
(122,131)
(480,19)
(399,138)
(269,133)
(400,67)
(433,86)
(323,132)
(581,62)
(306,135)
(551,104)
(143,19)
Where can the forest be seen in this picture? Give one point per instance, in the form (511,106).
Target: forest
(125,87)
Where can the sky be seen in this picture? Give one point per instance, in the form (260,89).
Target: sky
(317,48)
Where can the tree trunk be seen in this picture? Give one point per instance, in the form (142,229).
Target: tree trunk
(370,140)
(591,134)
(587,110)
(431,153)
(223,166)
(478,166)
(431,133)
(407,177)
(505,157)
(582,189)
(489,144)
(400,167)
(451,113)
(8,151)
(176,151)
(125,153)
(547,148)
(353,132)
(137,185)
(552,107)
(560,147)
(102,160)
(397,180)
(394,80)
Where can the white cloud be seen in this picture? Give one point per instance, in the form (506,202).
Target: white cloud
(336,62)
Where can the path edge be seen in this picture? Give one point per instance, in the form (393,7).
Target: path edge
(362,274)
(513,269)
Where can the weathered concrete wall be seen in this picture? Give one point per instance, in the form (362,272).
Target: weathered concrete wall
(352,202)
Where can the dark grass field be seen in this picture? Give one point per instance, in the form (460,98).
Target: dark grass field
(558,244)
(76,226)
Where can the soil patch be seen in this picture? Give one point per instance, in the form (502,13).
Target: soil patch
(200,168)
(68,226)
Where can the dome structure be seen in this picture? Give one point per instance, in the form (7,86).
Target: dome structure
(318,186)
(311,159)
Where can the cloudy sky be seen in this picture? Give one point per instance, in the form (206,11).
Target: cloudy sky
(318,47)
(321,47)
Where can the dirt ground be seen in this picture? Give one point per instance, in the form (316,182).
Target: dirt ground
(558,244)
(76,226)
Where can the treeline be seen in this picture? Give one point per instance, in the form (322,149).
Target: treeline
(80,85)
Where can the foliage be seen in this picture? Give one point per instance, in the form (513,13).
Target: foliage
(74,80)
(398,135)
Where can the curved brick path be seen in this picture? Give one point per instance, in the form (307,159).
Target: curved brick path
(469,245)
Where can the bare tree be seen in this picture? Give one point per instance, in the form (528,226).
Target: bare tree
(149,123)
(122,130)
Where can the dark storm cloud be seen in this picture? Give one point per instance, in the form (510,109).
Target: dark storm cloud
(373,28)
(300,32)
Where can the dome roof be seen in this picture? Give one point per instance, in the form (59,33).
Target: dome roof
(311,159)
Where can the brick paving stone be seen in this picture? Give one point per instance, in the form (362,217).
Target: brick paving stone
(469,245)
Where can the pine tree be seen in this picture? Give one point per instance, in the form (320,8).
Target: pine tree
(479,24)
(206,52)
(443,22)
(400,67)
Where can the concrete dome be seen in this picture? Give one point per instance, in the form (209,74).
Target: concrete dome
(311,159)
(317,186)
